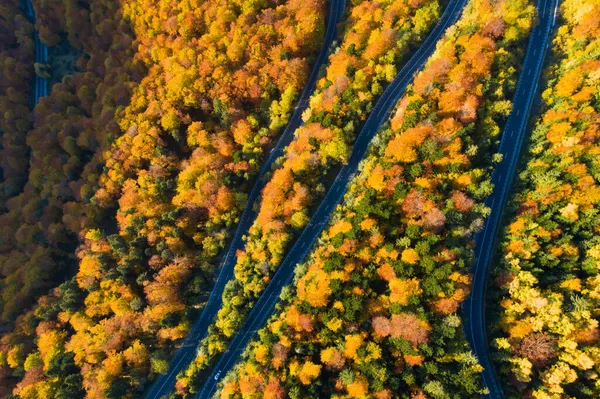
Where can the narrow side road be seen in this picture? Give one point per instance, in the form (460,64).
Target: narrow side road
(163,385)
(510,147)
(266,303)
(41,55)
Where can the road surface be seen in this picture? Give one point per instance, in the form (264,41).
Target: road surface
(187,352)
(41,55)
(266,303)
(510,147)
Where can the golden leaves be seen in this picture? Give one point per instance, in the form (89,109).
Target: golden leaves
(314,288)
(403,289)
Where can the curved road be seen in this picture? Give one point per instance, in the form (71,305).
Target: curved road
(41,55)
(266,303)
(187,352)
(510,147)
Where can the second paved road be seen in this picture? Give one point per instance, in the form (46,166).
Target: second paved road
(510,147)
(41,55)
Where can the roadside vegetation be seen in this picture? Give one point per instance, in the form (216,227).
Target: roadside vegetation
(378,37)
(374,311)
(546,284)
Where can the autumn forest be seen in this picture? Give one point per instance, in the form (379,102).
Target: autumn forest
(244,199)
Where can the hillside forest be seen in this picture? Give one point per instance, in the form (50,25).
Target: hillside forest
(122,189)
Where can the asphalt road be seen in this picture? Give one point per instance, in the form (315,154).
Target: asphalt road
(41,55)
(187,352)
(266,303)
(510,147)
